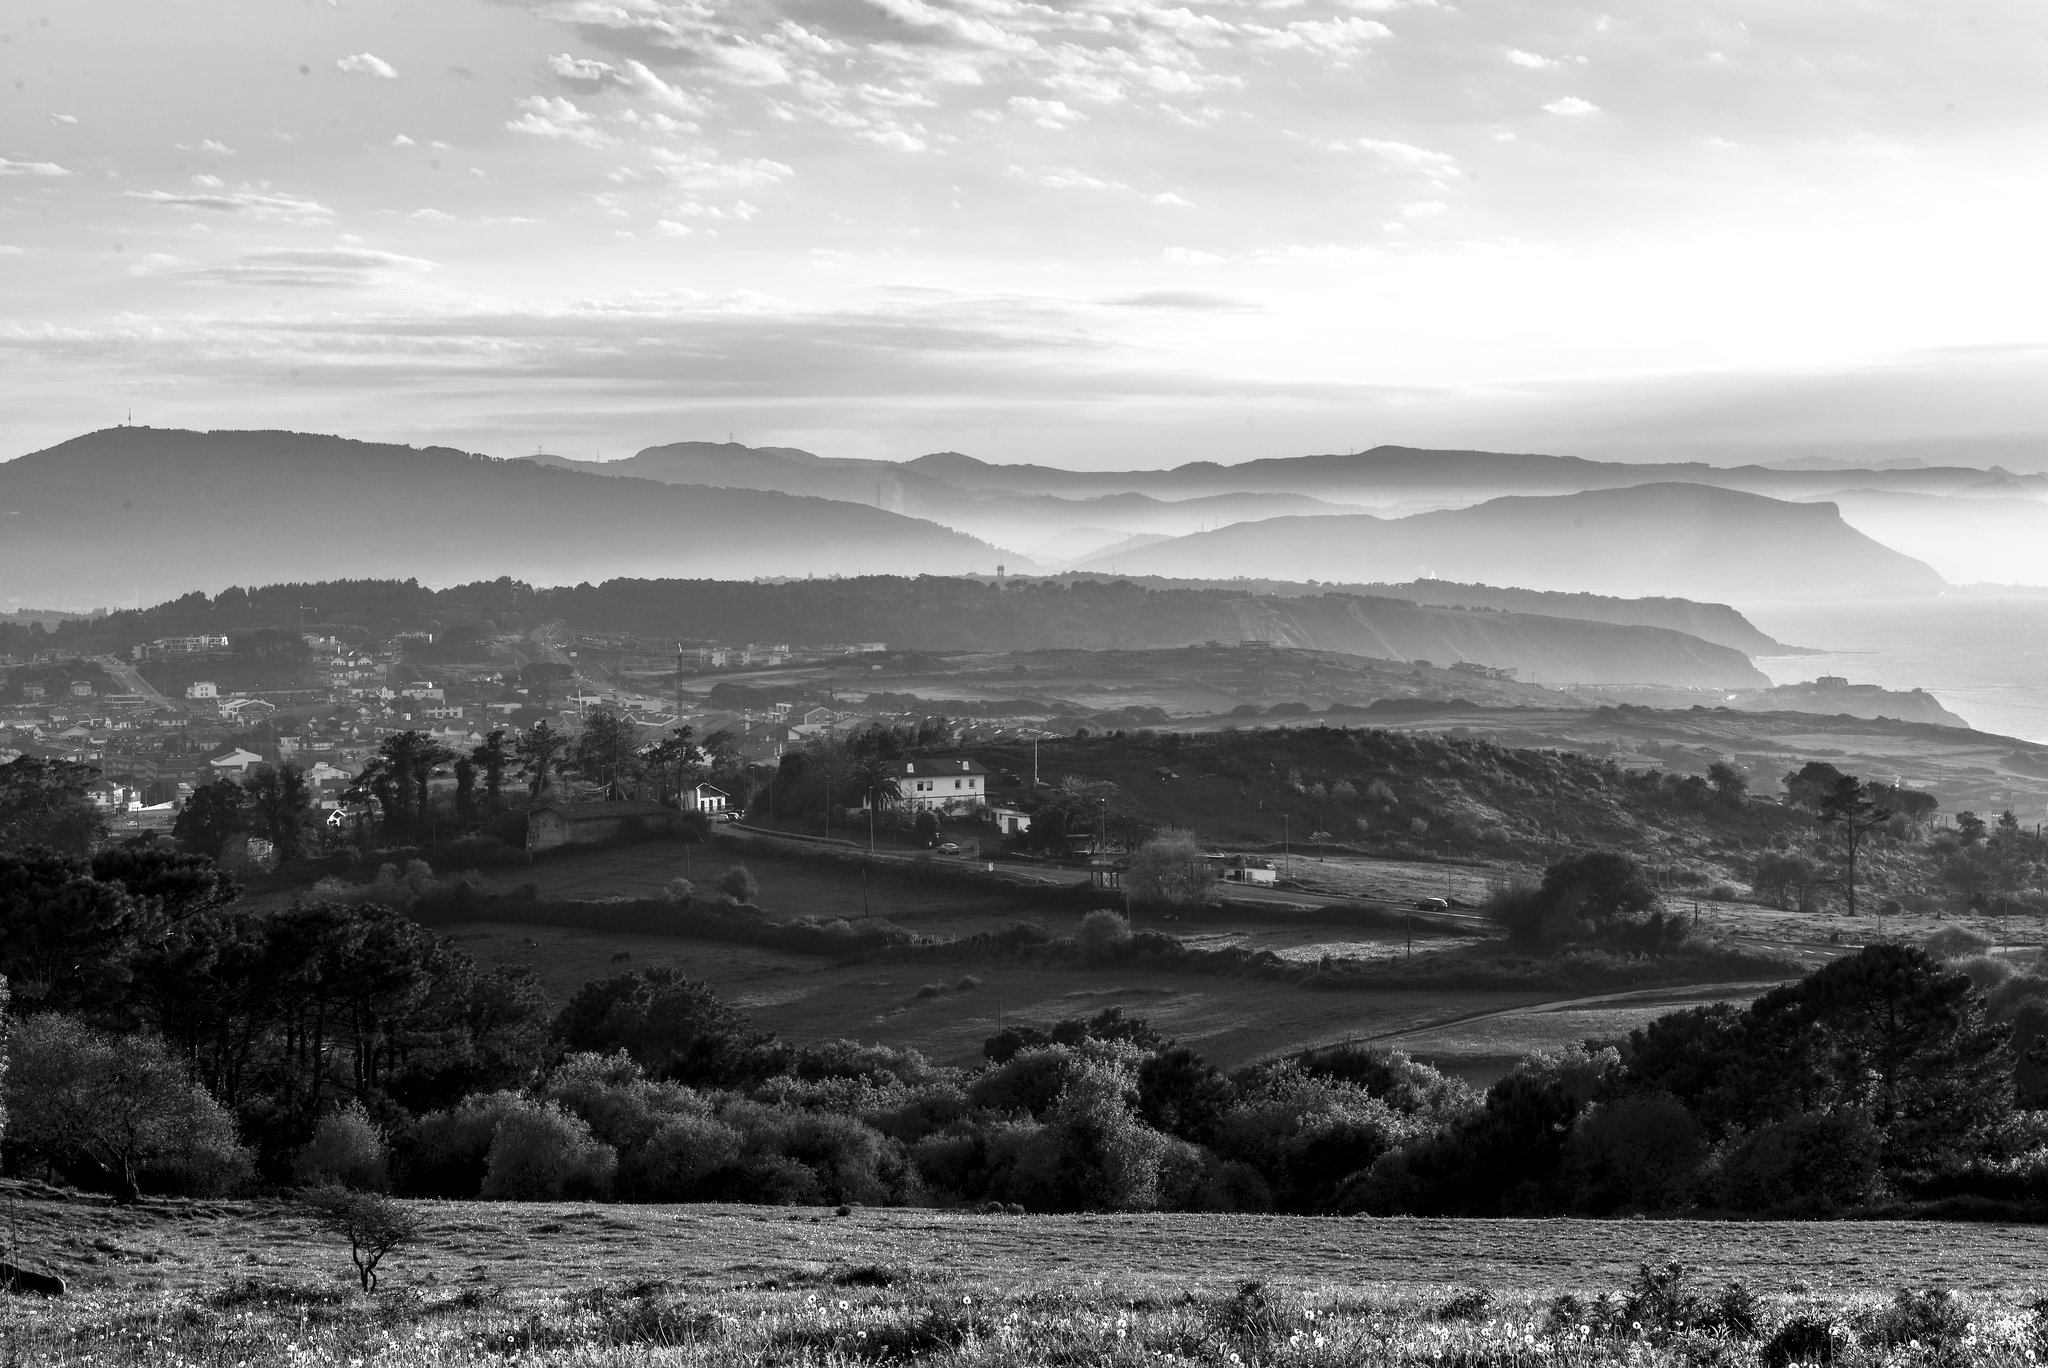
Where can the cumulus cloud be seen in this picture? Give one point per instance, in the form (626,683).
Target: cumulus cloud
(28,168)
(706,170)
(64,118)
(1340,37)
(679,34)
(1400,153)
(1572,107)
(1424,208)
(1529,59)
(1167,197)
(367,64)
(1046,113)
(629,77)
(558,118)
(400,140)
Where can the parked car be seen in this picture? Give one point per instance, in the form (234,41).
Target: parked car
(1432,905)
(949,847)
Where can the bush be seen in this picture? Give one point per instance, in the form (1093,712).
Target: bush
(1636,1153)
(1935,1320)
(1809,1165)
(1804,1339)
(738,884)
(121,1105)
(679,891)
(445,1153)
(347,1150)
(1954,943)
(542,1154)
(1103,932)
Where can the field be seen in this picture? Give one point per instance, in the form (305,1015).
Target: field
(808,998)
(948,1008)
(252,1284)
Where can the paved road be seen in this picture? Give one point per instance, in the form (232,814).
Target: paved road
(131,679)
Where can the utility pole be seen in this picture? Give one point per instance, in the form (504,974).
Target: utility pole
(1286,862)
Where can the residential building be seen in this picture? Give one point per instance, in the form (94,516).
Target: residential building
(712,802)
(202,688)
(944,784)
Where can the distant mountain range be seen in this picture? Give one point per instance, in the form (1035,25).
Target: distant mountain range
(136,512)
(1689,541)
(1068,518)
(1023,519)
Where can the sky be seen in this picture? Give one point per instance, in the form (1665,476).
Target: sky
(1099,233)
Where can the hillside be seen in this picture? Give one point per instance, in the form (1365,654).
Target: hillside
(1032,522)
(1689,541)
(174,511)
(1715,622)
(962,614)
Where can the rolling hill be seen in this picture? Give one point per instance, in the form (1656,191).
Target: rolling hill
(140,513)
(1689,541)
(1025,519)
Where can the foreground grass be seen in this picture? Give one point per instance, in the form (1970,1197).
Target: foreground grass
(250,1284)
(873,1314)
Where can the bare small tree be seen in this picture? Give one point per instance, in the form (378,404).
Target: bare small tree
(1171,868)
(372,1223)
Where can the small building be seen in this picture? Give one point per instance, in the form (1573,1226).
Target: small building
(553,824)
(1831,682)
(236,761)
(712,802)
(81,688)
(1010,821)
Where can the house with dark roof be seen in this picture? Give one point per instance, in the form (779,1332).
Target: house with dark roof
(950,783)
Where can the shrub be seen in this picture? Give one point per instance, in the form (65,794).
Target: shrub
(347,1150)
(1954,943)
(1104,932)
(1804,1339)
(738,884)
(1809,1165)
(542,1154)
(1934,1319)
(123,1105)
(679,891)
(1469,1305)
(444,1153)
(1986,971)
(1638,1153)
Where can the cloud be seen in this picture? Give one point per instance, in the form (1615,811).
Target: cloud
(64,118)
(400,140)
(556,117)
(261,204)
(1065,178)
(673,34)
(1529,59)
(6,250)
(1400,153)
(1183,301)
(629,77)
(1188,256)
(1424,208)
(22,168)
(1339,37)
(1055,114)
(315,268)
(1167,197)
(706,170)
(367,64)
(1572,107)
(670,228)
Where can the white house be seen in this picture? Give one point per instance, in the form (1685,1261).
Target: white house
(713,803)
(236,761)
(944,784)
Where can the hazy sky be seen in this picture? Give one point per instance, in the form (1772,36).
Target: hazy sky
(1079,231)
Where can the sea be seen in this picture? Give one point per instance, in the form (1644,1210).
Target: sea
(1985,657)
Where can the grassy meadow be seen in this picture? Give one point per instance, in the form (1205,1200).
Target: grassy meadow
(252,1284)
